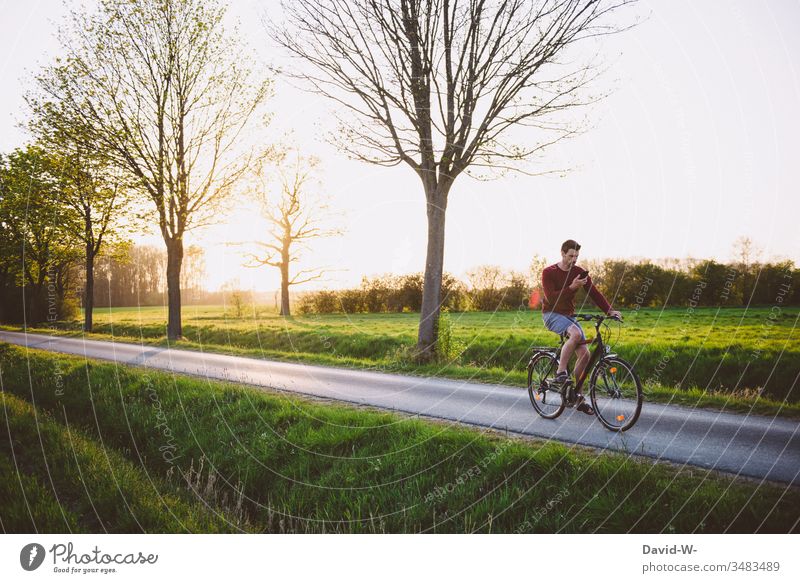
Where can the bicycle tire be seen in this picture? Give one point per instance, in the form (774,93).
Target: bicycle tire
(618,402)
(538,397)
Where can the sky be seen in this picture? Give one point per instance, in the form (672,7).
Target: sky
(695,146)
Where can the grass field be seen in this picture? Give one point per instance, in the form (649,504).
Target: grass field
(733,359)
(96,447)
(62,481)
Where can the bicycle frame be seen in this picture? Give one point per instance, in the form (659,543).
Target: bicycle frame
(600,350)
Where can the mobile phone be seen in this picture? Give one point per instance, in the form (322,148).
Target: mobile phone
(585,274)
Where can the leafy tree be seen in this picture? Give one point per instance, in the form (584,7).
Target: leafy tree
(90,186)
(38,245)
(720,281)
(516,291)
(773,283)
(98,196)
(408,293)
(165,93)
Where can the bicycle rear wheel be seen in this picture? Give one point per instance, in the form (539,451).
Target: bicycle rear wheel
(616,393)
(549,403)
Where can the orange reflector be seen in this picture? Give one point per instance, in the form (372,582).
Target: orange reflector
(538,397)
(620,417)
(613,369)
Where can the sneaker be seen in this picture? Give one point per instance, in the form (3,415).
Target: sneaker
(583,406)
(560,380)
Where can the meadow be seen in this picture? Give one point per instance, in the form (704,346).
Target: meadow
(745,360)
(94,447)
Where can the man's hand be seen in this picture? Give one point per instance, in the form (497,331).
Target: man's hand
(578,282)
(615,314)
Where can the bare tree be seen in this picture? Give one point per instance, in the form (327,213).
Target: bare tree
(748,254)
(446,87)
(746,251)
(486,286)
(232,295)
(165,93)
(535,268)
(297,216)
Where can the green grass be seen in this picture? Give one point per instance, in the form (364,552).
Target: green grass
(301,465)
(60,481)
(733,359)
(29,505)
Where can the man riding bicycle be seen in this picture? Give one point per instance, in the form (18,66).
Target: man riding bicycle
(560,283)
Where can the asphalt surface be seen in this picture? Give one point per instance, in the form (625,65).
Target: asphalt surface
(754,446)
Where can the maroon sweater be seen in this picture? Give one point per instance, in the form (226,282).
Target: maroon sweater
(557,295)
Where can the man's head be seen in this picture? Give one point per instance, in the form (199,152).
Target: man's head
(569,252)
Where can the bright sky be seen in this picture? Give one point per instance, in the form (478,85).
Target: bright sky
(697,146)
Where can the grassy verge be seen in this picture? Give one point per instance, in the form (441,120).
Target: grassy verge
(54,479)
(301,466)
(721,349)
(748,401)
(29,505)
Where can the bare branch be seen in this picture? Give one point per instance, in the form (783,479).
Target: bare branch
(440,84)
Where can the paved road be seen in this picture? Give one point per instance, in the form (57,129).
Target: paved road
(754,446)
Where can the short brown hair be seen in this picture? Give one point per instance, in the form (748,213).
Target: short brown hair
(570,244)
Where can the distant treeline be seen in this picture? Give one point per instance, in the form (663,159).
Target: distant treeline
(135,276)
(627,284)
(51,289)
(30,295)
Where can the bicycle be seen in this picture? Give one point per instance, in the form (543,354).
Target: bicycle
(614,387)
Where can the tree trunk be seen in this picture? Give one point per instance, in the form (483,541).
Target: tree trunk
(434,266)
(285,288)
(174,262)
(88,299)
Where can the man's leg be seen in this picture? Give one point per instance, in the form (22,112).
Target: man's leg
(583,359)
(569,347)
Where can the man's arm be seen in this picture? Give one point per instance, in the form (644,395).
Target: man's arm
(597,296)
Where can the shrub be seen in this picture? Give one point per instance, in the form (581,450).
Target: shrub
(376,293)
(351,301)
(448,349)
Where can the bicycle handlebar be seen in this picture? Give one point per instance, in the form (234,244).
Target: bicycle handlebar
(599,318)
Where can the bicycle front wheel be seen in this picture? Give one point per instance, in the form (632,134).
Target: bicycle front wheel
(616,393)
(549,403)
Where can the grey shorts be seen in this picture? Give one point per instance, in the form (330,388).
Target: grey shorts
(559,323)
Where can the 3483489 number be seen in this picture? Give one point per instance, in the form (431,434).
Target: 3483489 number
(755,566)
